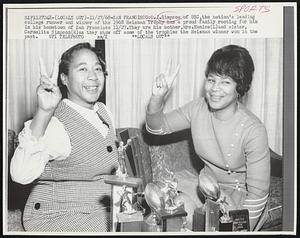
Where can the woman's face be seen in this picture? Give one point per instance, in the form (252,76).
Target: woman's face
(85,79)
(220,92)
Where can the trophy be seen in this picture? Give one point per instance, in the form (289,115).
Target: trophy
(122,171)
(127,214)
(166,207)
(233,220)
(214,204)
(155,200)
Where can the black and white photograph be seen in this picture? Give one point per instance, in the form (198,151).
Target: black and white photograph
(155,119)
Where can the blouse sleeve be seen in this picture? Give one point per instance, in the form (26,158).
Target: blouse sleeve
(160,123)
(32,154)
(258,173)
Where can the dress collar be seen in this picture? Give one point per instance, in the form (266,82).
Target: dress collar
(80,109)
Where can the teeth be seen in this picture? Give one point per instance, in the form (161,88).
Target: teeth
(215,98)
(91,87)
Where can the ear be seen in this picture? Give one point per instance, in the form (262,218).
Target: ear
(64,79)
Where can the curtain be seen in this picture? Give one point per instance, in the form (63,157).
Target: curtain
(23,75)
(133,64)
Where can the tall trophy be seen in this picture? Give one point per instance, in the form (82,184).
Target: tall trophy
(214,205)
(127,215)
(155,200)
(167,209)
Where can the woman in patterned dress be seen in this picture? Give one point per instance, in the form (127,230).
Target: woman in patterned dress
(67,148)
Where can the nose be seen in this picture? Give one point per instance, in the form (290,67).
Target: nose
(215,86)
(92,75)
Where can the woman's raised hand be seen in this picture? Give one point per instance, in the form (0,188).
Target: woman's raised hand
(48,92)
(163,82)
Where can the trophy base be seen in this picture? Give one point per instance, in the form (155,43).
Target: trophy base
(130,222)
(126,217)
(172,221)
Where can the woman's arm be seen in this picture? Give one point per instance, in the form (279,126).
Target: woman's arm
(32,154)
(258,172)
(29,159)
(160,123)
(154,115)
(156,121)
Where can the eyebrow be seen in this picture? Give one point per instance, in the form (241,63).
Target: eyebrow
(80,64)
(226,78)
(83,63)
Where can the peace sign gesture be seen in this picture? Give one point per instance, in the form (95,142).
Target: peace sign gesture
(163,82)
(48,92)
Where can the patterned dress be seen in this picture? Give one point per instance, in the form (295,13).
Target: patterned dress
(70,195)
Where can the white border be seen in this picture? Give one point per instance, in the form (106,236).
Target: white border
(138,5)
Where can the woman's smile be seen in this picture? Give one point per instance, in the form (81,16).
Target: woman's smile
(91,88)
(215,98)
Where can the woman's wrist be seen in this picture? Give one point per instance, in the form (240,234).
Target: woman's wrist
(45,113)
(156,104)
(40,122)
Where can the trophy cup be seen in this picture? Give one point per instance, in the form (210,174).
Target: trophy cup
(233,220)
(211,190)
(155,200)
(214,205)
(166,209)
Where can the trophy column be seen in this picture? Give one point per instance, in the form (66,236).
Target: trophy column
(124,216)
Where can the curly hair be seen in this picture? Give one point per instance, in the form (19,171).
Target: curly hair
(233,61)
(66,59)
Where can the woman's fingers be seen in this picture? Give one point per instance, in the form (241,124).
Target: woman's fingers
(159,81)
(45,87)
(49,90)
(169,75)
(43,72)
(44,75)
(54,72)
(168,68)
(163,82)
(56,91)
(172,77)
(174,74)
(45,81)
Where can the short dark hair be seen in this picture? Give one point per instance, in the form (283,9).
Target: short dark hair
(66,59)
(233,61)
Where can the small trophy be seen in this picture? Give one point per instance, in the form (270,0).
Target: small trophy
(126,205)
(122,171)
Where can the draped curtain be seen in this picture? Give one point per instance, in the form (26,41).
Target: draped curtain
(133,65)
(23,75)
